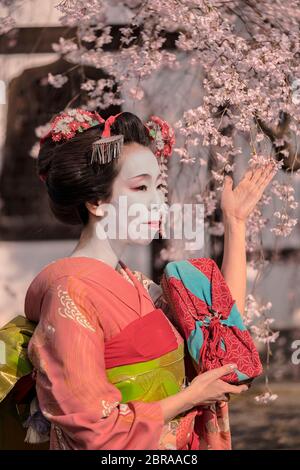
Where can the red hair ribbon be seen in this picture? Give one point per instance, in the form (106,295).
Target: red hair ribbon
(108,123)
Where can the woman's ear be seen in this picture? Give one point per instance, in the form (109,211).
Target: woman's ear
(95,209)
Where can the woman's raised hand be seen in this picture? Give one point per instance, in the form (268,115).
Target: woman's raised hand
(238,203)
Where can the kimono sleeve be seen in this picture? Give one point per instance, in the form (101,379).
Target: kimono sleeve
(85,409)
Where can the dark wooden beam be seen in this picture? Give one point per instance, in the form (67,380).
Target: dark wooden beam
(39,40)
(33,40)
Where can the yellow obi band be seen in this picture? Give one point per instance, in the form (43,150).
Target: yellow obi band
(150,380)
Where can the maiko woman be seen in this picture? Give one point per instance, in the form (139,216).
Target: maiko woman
(109,365)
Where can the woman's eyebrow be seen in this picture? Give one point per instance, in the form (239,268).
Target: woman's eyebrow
(144,175)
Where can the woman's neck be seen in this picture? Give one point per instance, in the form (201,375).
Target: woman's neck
(93,246)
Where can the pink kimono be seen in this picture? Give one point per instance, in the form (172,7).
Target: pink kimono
(94,324)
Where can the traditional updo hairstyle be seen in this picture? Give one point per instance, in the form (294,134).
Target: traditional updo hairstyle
(72,180)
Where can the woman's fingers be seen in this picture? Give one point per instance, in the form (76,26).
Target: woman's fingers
(236,388)
(219,398)
(223,397)
(262,179)
(248,175)
(219,372)
(267,178)
(257,173)
(256,170)
(263,183)
(261,173)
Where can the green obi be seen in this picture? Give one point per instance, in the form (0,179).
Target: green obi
(145,381)
(14,362)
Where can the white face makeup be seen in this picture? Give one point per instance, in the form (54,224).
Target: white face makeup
(137,195)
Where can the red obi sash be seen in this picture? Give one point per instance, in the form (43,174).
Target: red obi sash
(145,338)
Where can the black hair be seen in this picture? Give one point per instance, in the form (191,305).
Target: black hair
(70,177)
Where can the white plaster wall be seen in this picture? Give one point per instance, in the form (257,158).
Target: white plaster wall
(21,261)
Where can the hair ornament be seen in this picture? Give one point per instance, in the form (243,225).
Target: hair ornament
(162,135)
(108,147)
(163,138)
(66,124)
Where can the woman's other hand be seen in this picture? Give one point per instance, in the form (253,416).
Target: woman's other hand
(208,388)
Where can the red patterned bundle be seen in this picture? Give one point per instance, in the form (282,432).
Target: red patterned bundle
(207,316)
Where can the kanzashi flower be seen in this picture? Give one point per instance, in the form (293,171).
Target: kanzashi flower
(67,124)
(162,134)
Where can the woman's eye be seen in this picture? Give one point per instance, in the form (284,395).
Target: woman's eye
(140,188)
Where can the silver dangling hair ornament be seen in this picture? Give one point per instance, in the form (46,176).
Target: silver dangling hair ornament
(109,146)
(107,149)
